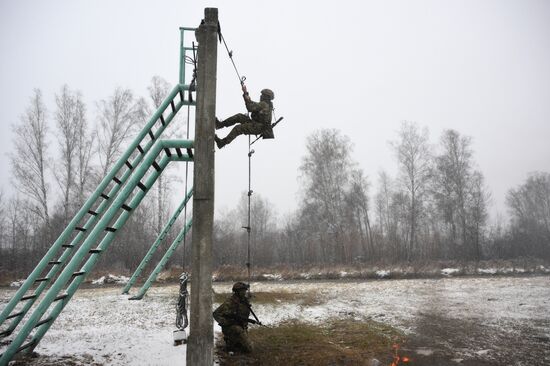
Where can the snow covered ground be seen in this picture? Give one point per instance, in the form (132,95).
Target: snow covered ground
(480,320)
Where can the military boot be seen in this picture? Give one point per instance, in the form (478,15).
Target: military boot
(219,124)
(219,142)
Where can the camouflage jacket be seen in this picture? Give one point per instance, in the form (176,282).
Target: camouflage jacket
(259,111)
(234,311)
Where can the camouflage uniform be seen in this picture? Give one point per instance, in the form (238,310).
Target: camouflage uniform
(259,122)
(232,316)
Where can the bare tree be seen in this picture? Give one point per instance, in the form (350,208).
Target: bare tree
(29,159)
(358,207)
(119,116)
(414,157)
(460,195)
(85,147)
(325,173)
(158,90)
(67,137)
(529,206)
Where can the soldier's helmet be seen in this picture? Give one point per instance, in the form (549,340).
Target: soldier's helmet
(240,286)
(268,93)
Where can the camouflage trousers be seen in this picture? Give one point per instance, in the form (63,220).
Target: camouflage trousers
(246,126)
(236,339)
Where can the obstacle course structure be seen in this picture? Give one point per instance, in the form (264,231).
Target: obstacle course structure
(71,258)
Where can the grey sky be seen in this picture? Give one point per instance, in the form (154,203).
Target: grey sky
(480,67)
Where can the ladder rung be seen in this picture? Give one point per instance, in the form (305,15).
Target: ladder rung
(168,152)
(178,151)
(92,212)
(162,120)
(126,207)
(80,229)
(104,196)
(129,165)
(95,251)
(5,334)
(190,153)
(156,166)
(28,297)
(111,229)
(47,320)
(68,246)
(15,315)
(78,273)
(140,148)
(60,297)
(151,135)
(41,279)
(173,106)
(25,346)
(54,262)
(142,186)
(117,181)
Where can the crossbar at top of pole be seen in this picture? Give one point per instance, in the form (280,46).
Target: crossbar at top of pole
(201,334)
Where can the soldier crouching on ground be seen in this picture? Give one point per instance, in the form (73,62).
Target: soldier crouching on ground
(259,122)
(232,316)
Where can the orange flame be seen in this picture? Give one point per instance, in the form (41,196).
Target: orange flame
(396,357)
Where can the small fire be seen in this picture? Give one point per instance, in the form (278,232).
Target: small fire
(396,357)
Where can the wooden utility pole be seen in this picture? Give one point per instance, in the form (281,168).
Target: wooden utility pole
(201,333)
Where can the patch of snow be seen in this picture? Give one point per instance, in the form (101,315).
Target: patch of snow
(482,352)
(383,274)
(119,280)
(17,283)
(305,276)
(424,351)
(520,270)
(273,277)
(343,274)
(449,271)
(457,360)
(489,271)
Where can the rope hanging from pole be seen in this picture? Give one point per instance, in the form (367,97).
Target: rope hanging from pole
(183,299)
(248,226)
(192,88)
(230,54)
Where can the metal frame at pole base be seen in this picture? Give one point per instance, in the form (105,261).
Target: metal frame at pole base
(201,333)
(153,276)
(156,244)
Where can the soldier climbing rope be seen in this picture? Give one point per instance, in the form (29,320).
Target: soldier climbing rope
(266,133)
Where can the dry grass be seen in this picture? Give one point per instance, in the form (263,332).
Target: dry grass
(340,342)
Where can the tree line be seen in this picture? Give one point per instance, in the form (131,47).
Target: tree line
(434,208)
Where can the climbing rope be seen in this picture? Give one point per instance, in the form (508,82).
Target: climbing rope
(248,226)
(183,298)
(192,87)
(181,307)
(230,54)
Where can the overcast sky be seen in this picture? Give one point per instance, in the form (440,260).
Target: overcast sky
(363,67)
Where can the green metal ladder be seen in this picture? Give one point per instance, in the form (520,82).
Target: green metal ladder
(153,249)
(144,152)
